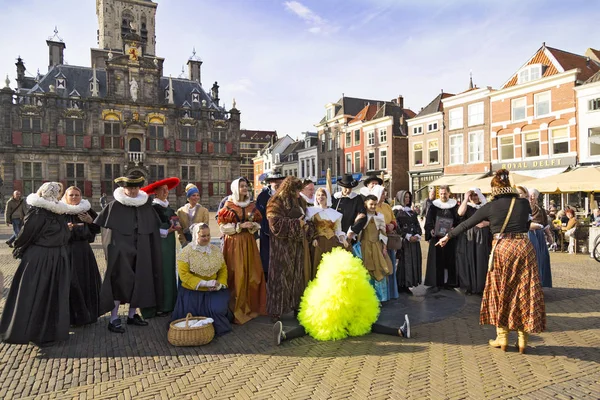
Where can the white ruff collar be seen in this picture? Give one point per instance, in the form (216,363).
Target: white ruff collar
(444,206)
(338,195)
(308,200)
(140,200)
(475,206)
(82,207)
(241,204)
(378,216)
(165,204)
(56,207)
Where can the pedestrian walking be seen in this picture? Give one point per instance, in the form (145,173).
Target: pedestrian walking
(14,214)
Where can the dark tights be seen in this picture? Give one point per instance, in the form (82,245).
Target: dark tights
(299,331)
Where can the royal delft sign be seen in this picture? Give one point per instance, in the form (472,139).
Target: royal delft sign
(536,164)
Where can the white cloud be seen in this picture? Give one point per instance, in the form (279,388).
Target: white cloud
(317,23)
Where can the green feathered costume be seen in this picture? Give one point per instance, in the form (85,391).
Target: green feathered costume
(340,301)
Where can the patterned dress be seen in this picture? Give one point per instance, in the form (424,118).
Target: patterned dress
(246,280)
(326,235)
(288,259)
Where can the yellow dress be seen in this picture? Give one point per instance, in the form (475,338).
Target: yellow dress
(375,260)
(326,235)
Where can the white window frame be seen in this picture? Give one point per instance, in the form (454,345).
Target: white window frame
(475,113)
(383,135)
(526,141)
(536,102)
(418,130)
(530,73)
(371,138)
(480,151)
(594,105)
(414,150)
(597,131)
(349,163)
(371,157)
(562,140)
(357,156)
(500,146)
(383,159)
(455,118)
(513,106)
(432,127)
(457,151)
(429,162)
(356,142)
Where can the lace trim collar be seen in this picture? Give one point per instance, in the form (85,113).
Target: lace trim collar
(165,204)
(338,195)
(242,204)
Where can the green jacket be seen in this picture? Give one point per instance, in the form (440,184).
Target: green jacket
(15,209)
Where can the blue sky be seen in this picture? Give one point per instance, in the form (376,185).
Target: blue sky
(284,60)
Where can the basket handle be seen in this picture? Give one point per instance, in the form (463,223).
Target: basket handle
(187,320)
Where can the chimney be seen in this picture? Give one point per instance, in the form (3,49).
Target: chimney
(194,68)
(56,48)
(400,101)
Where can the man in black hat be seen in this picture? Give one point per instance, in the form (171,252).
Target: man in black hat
(352,207)
(273,180)
(133,252)
(370,182)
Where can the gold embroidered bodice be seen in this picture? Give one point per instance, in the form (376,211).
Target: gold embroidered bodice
(324,227)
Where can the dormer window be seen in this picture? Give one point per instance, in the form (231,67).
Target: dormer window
(530,73)
(61,83)
(329,113)
(167,94)
(195,97)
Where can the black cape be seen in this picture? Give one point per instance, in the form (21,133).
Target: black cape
(350,208)
(37,306)
(84,296)
(134,257)
(473,249)
(440,258)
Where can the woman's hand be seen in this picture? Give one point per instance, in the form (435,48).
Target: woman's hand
(443,241)
(70,226)
(85,217)
(247,225)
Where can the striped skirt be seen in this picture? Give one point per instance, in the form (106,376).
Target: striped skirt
(513,297)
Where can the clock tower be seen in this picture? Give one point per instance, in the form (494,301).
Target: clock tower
(118,18)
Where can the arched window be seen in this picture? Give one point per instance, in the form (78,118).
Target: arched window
(126,21)
(135,145)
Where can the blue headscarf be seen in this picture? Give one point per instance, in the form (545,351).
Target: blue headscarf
(190,189)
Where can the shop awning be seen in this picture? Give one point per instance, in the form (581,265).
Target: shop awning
(583,179)
(456,179)
(543,173)
(484,184)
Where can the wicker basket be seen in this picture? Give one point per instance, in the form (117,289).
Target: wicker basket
(190,336)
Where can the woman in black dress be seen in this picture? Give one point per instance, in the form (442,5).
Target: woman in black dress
(84,296)
(37,307)
(473,247)
(410,259)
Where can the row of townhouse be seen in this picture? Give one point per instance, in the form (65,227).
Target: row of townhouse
(543,120)
(356,136)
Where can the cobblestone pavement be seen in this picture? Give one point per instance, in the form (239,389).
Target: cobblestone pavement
(445,359)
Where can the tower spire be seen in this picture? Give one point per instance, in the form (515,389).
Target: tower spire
(471,80)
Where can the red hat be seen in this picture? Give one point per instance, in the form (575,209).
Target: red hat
(170,182)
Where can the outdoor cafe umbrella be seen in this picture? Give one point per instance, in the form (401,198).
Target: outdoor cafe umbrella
(584,179)
(485,183)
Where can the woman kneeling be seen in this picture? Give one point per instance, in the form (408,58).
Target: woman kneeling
(203,275)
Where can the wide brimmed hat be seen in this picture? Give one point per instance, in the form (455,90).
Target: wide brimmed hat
(372,178)
(274,176)
(347,181)
(170,182)
(131,180)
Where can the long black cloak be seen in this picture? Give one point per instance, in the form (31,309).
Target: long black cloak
(134,257)
(440,258)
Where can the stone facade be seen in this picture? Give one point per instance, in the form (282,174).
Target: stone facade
(87,126)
